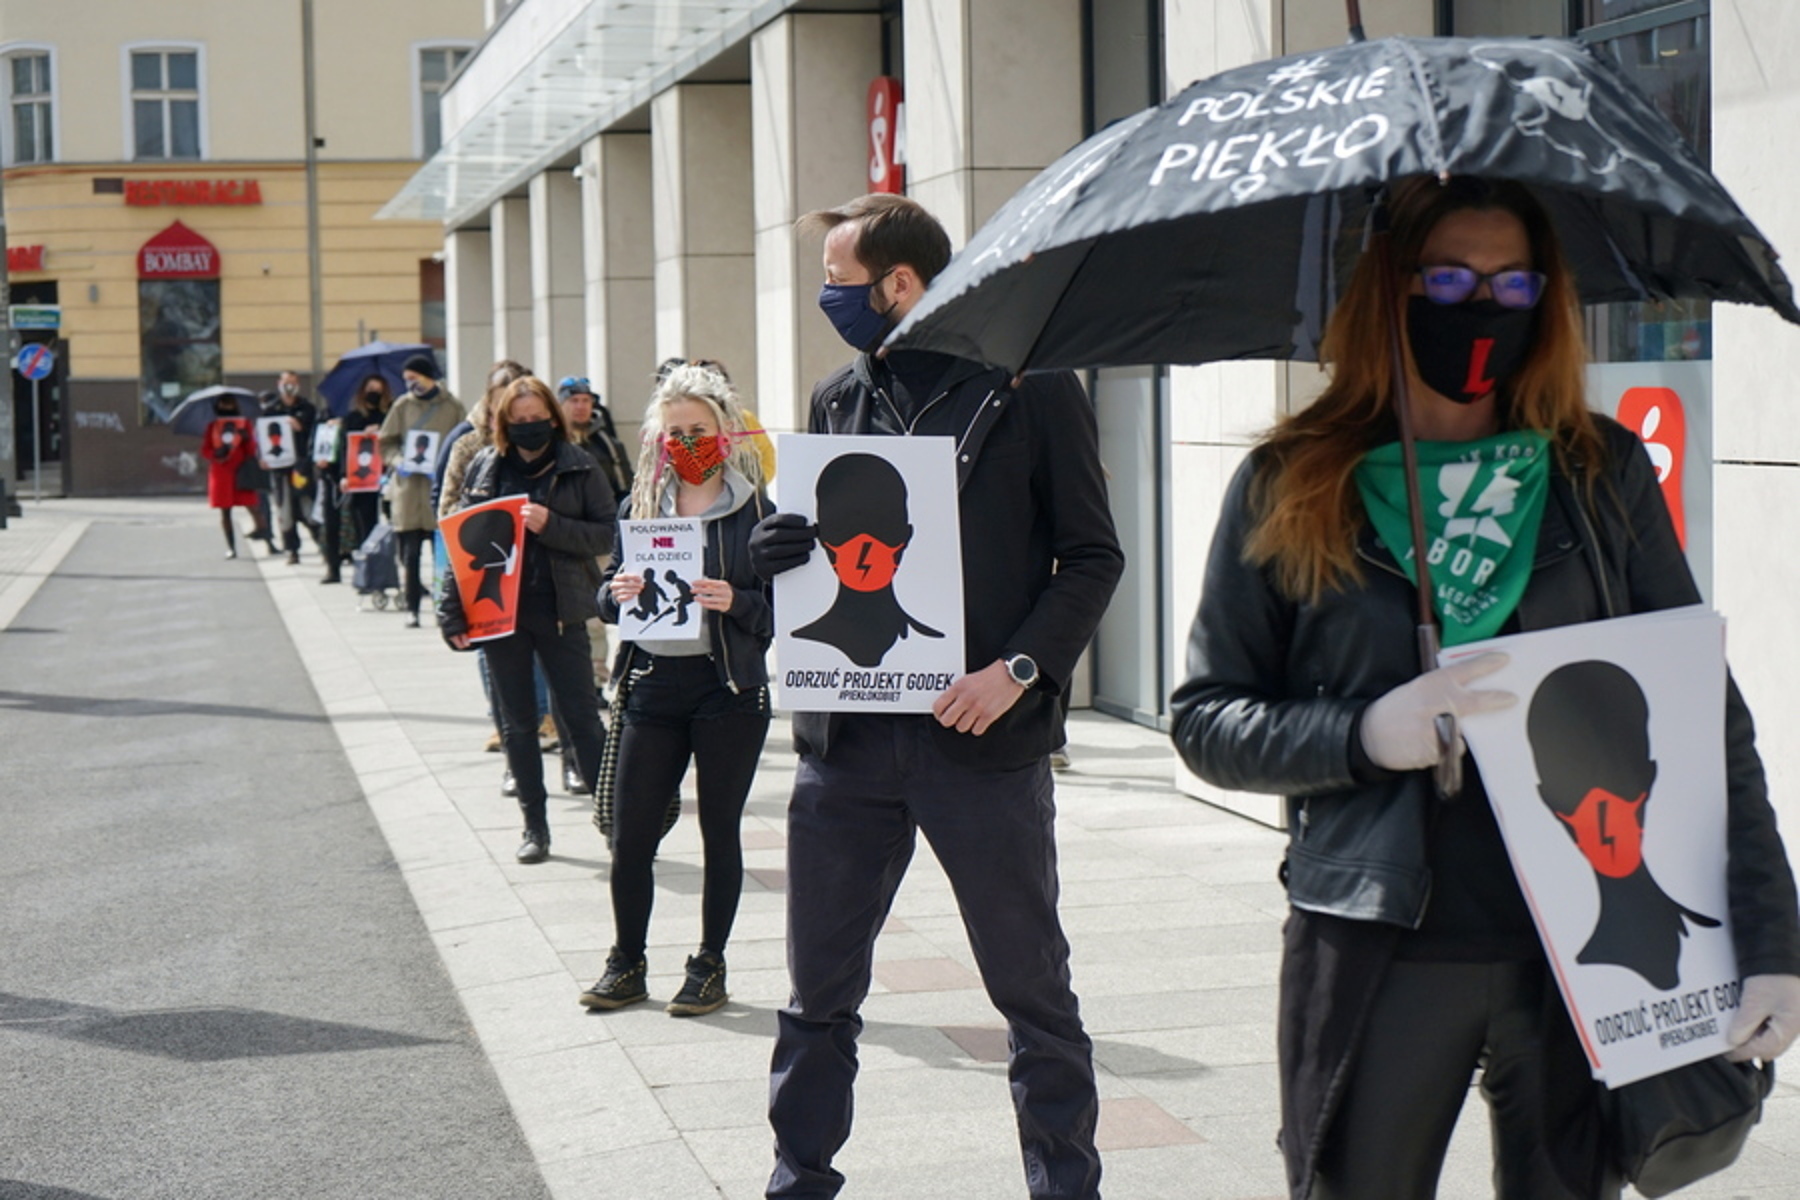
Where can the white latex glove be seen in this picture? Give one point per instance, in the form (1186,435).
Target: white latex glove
(1399,730)
(1768,1017)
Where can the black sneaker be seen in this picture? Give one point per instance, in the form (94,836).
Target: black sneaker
(622,984)
(704,990)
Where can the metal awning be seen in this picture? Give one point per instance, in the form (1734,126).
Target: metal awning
(608,60)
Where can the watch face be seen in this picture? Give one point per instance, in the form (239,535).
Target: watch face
(1023,670)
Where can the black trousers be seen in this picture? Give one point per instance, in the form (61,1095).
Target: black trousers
(851,825)
(331,525)
(678,712)
(290,504)
(408,543)
(570,672)
(1430,1027)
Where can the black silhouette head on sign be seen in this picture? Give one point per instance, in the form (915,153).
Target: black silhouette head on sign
(487,538)
(864,529)
(1589,729)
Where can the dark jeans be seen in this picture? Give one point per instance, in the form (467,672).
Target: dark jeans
(851,826)
(570,671)
(1430,1026)
(409,543)
(331,525)
(359,522)
(678,710)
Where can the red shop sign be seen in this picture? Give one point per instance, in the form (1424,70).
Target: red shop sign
(148,193)
(178,253)
(24,258)
(887,136)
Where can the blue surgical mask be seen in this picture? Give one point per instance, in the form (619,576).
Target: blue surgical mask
(847,307)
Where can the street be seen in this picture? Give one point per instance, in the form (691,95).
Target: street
(265,935)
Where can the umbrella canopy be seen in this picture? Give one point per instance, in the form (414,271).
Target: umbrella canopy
(1222,223)
(198,410)
(385,359)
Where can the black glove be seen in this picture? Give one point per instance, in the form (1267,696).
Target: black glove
(780,542)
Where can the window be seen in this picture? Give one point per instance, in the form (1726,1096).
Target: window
(165,104)
(28,79)
(431,303)
(1664,48)
(436,65)
(178,335)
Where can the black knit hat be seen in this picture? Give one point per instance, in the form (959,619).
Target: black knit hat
(421,364)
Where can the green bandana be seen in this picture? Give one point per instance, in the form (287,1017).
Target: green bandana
(1483,501)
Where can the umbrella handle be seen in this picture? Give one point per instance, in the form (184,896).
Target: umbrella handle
(1353,10)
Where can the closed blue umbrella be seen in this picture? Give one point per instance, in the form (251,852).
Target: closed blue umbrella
(385,359)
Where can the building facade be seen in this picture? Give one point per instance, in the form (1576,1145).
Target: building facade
(619,182)
(156,193)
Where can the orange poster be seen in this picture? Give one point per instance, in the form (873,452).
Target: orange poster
(362,461)
(486,543)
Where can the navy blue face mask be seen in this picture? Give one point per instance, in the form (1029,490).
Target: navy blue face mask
(847,307)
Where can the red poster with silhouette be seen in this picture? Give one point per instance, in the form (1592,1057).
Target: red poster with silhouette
(362,461)
(486,544)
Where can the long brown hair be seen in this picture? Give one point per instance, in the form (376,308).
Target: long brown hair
(1305,505)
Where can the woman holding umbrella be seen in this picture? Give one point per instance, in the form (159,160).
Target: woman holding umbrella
(1410,957)
(226,445)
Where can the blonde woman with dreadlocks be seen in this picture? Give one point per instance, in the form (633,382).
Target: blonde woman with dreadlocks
(704,701)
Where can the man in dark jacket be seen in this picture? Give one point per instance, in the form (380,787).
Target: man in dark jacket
(1040,561)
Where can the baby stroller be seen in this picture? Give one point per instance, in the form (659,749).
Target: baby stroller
(377,570)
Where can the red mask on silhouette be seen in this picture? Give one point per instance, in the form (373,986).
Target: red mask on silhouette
(696,459)
(864,564)
(1609,832)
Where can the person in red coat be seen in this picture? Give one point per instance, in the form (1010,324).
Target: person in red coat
(226,443)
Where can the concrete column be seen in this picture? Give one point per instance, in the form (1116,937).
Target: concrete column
(510,246)
(982,118)
(1216,411)
(1756,355)
(705,243)
(619,267)
(468,311)
(558,344)
(809,75)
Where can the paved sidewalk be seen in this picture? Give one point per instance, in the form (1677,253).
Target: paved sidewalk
(1171,905)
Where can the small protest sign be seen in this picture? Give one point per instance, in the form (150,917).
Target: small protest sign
(418,453)
(1608,782)
(873,621)
(362,461)
(275,442)
(324,443)
(486,544)
(669,553)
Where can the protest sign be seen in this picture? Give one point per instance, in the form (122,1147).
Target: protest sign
(486,544)
(362,461)
(669,554)
(873,621)
(1608,782)
(275,442)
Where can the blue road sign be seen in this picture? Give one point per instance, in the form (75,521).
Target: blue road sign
(35,361)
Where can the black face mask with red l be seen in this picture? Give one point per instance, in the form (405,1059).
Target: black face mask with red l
(1465,351)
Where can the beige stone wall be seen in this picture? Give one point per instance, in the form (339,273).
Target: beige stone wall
(370,269)
(250,70)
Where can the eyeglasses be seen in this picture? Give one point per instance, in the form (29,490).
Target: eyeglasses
(1510,289)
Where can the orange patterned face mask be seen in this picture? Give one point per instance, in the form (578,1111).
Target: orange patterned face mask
(696,459)
(1609,832)
(864,564)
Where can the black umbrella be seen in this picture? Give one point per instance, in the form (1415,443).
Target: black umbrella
(385,359)
(1220,224)
(199,410)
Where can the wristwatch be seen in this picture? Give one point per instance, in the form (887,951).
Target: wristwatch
(1023,669)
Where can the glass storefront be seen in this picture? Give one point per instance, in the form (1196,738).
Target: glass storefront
(178,325)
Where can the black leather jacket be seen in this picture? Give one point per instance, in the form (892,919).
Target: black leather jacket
(1276,689)
(578,535)
(1040,556)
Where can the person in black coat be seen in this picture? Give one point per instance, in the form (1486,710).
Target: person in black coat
(1410,956)
(1040,561)
(569,527)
